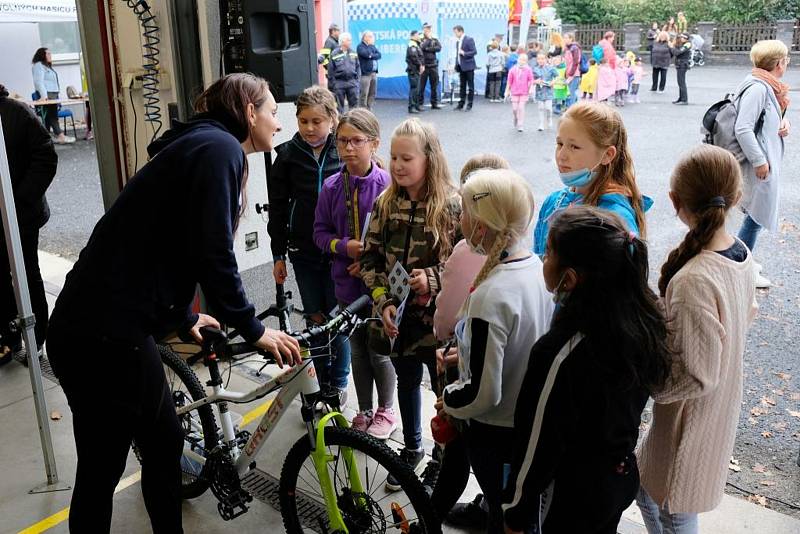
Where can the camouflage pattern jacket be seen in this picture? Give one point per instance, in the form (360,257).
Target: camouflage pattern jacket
(405,237)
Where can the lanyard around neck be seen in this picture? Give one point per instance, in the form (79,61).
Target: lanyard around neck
(352,206)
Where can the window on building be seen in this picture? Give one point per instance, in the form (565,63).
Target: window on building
(62,38)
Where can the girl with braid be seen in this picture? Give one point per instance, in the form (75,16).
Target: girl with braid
(507,310)
(708,288)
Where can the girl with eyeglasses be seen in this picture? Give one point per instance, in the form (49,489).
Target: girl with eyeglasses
(507,310)
(301,166)
(344,203)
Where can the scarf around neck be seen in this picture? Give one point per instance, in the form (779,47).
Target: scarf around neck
(780,88)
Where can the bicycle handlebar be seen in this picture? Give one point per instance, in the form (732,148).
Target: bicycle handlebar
(215,340)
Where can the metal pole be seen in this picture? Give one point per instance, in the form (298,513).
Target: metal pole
(25,319)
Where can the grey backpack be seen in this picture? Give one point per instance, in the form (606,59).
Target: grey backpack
(719,124)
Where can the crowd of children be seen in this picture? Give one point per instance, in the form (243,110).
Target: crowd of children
(558,343)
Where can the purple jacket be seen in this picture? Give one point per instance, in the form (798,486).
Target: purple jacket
(331,228)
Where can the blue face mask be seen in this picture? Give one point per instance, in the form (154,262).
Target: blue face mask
(579,178)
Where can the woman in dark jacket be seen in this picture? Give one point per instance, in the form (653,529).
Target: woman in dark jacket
(170,229)
(660,58)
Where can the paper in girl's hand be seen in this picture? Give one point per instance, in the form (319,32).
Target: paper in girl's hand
(366,227)
(398,318)
(398,282)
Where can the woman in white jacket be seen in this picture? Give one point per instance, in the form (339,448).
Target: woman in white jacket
(760,128)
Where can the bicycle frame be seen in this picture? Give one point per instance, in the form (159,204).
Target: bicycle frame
(299,380)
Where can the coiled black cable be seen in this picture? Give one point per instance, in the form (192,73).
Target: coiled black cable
(150,81)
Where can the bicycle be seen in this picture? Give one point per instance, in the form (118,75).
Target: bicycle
(353,500)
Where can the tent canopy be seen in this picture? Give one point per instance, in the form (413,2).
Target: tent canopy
(38,11)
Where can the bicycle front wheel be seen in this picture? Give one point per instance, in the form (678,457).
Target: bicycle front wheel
(199,428)
(372,510)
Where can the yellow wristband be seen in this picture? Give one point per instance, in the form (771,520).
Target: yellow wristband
(378,292)
(333,245)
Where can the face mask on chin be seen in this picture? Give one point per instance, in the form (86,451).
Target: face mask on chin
(479,248)
(579,178)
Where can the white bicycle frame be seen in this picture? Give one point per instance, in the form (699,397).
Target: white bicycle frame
(301,379)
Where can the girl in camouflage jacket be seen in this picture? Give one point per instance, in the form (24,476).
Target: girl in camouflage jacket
(414,222)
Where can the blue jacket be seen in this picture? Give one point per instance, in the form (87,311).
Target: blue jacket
(170,229)
(559,200)
(344,69)
(368,56)
(467,61)
(548,73)
(45,79)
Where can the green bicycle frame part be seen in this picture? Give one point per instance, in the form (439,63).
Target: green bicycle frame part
(321,459)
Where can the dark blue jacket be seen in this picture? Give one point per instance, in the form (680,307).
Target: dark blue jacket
(467,61)
(344,68)
(368,56)
(170,229)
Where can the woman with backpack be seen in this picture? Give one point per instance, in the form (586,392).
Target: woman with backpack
(763,94)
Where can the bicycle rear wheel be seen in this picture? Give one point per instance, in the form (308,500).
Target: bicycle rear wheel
(374,510)
(199,427)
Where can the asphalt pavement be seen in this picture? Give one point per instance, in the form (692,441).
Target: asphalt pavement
(768,438)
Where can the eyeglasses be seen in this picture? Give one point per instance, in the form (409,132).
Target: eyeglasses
(356,142)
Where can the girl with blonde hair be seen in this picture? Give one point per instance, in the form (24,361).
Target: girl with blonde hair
(507,310)
(414,223)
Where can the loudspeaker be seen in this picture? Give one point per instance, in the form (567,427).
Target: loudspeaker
(273,39)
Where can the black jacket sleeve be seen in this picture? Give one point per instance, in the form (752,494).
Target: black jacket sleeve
(43,162)
(217,194)
(538,452)
(279,193)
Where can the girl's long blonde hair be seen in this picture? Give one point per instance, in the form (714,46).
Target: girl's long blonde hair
(439,190)
(605,128)
(501,200)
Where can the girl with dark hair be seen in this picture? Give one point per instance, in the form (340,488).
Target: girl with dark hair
(588,379)
(709,292)
(170,229)
(45,82)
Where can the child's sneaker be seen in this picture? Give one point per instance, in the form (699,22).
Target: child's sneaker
(541,127)
(362,421)
(383,424)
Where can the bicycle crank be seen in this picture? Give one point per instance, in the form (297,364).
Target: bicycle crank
(226,486)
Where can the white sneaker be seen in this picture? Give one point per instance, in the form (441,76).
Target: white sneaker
(541,127)
(520,129)
(762,282)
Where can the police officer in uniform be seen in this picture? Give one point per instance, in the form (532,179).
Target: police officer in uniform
(344,72)
(430,46)
(682,52)
(415,65)
(331,43)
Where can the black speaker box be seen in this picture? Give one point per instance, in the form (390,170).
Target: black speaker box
(273,39)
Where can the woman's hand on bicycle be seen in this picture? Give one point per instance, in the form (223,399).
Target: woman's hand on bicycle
(388,321)
(284,347)
(279,272)
(202,320)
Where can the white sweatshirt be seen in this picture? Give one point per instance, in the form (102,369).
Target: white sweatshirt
(505,316)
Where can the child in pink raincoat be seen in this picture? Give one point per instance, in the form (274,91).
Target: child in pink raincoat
(622,74)
(606,82)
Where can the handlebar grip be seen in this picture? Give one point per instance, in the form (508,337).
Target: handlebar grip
(358,305)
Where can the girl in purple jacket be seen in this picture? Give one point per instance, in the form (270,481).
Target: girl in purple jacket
(339,226)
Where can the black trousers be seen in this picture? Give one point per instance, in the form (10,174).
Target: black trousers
(453,476)
(659,74)
(51,114)
(414,100)
(466,77)
(683,96)
(128,399)
(8,301)
(489,450)
(349,94)
(429,75)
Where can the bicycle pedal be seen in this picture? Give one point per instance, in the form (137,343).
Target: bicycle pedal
(399,518)
(232,511)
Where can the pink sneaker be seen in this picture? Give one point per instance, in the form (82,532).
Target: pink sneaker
(383,424)
(361,422)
